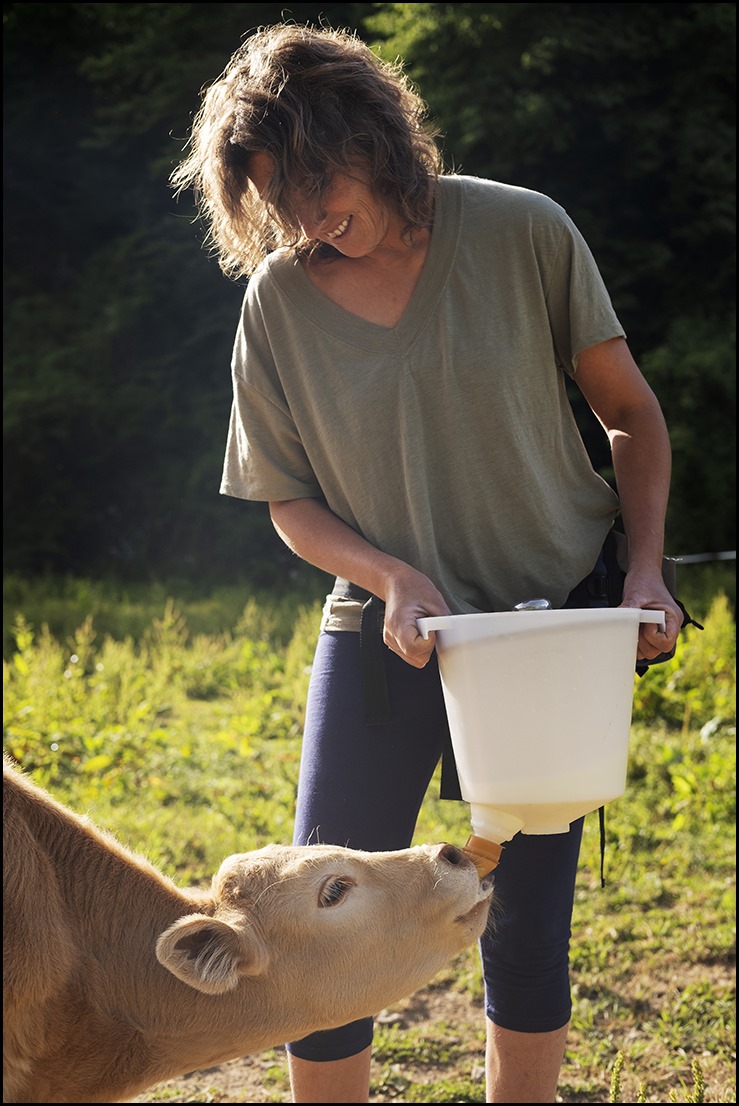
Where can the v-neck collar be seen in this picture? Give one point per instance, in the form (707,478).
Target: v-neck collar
(342,324)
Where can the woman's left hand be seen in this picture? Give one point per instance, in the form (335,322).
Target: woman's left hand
(649,592)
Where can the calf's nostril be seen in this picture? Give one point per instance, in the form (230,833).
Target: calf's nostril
(452,854)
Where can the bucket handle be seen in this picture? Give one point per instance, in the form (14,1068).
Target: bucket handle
(658,617)
(426,625)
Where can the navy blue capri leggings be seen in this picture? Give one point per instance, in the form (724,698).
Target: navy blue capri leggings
(362,786)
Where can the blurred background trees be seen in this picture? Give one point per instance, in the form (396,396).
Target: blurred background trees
(118,326)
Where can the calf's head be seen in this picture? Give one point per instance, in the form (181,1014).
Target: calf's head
(322,922)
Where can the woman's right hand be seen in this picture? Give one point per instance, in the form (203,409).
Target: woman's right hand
(312,531)
(409,596)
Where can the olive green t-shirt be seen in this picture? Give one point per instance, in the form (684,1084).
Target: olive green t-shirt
(448,440)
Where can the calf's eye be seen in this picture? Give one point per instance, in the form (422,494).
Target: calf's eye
(334,890)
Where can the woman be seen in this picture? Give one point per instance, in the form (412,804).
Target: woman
(399,401)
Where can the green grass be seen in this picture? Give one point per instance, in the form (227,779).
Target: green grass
(183,738)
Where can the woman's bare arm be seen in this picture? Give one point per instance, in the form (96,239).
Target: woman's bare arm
(630,413)
(316,535)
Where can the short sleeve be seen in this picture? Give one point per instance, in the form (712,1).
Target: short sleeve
(264,458)
(580,310)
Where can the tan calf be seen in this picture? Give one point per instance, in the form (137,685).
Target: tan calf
(115,978)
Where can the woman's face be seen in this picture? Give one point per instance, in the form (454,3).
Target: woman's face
(348,215)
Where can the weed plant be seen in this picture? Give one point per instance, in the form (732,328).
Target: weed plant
(185,743)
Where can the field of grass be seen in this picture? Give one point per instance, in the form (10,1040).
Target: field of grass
(176,725)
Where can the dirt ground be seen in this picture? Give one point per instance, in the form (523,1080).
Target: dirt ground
(263,1077)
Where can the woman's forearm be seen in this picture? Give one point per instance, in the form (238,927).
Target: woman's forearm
(316,535)
(642,466)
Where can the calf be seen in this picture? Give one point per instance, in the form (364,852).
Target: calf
(115,978)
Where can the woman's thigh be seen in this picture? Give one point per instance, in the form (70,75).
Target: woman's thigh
(362,785)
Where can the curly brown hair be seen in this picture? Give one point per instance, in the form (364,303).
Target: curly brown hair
(319,101)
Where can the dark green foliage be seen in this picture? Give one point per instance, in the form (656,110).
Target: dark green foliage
(694,372)
(118,326)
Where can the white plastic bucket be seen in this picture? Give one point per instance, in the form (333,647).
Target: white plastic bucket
(539,706)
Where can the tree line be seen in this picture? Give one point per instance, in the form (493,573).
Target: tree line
(119,326)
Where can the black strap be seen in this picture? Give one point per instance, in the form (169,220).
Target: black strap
(372,650)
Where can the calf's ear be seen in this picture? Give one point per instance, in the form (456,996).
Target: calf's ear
(209,954)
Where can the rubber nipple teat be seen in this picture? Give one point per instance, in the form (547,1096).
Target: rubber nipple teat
(483,854)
